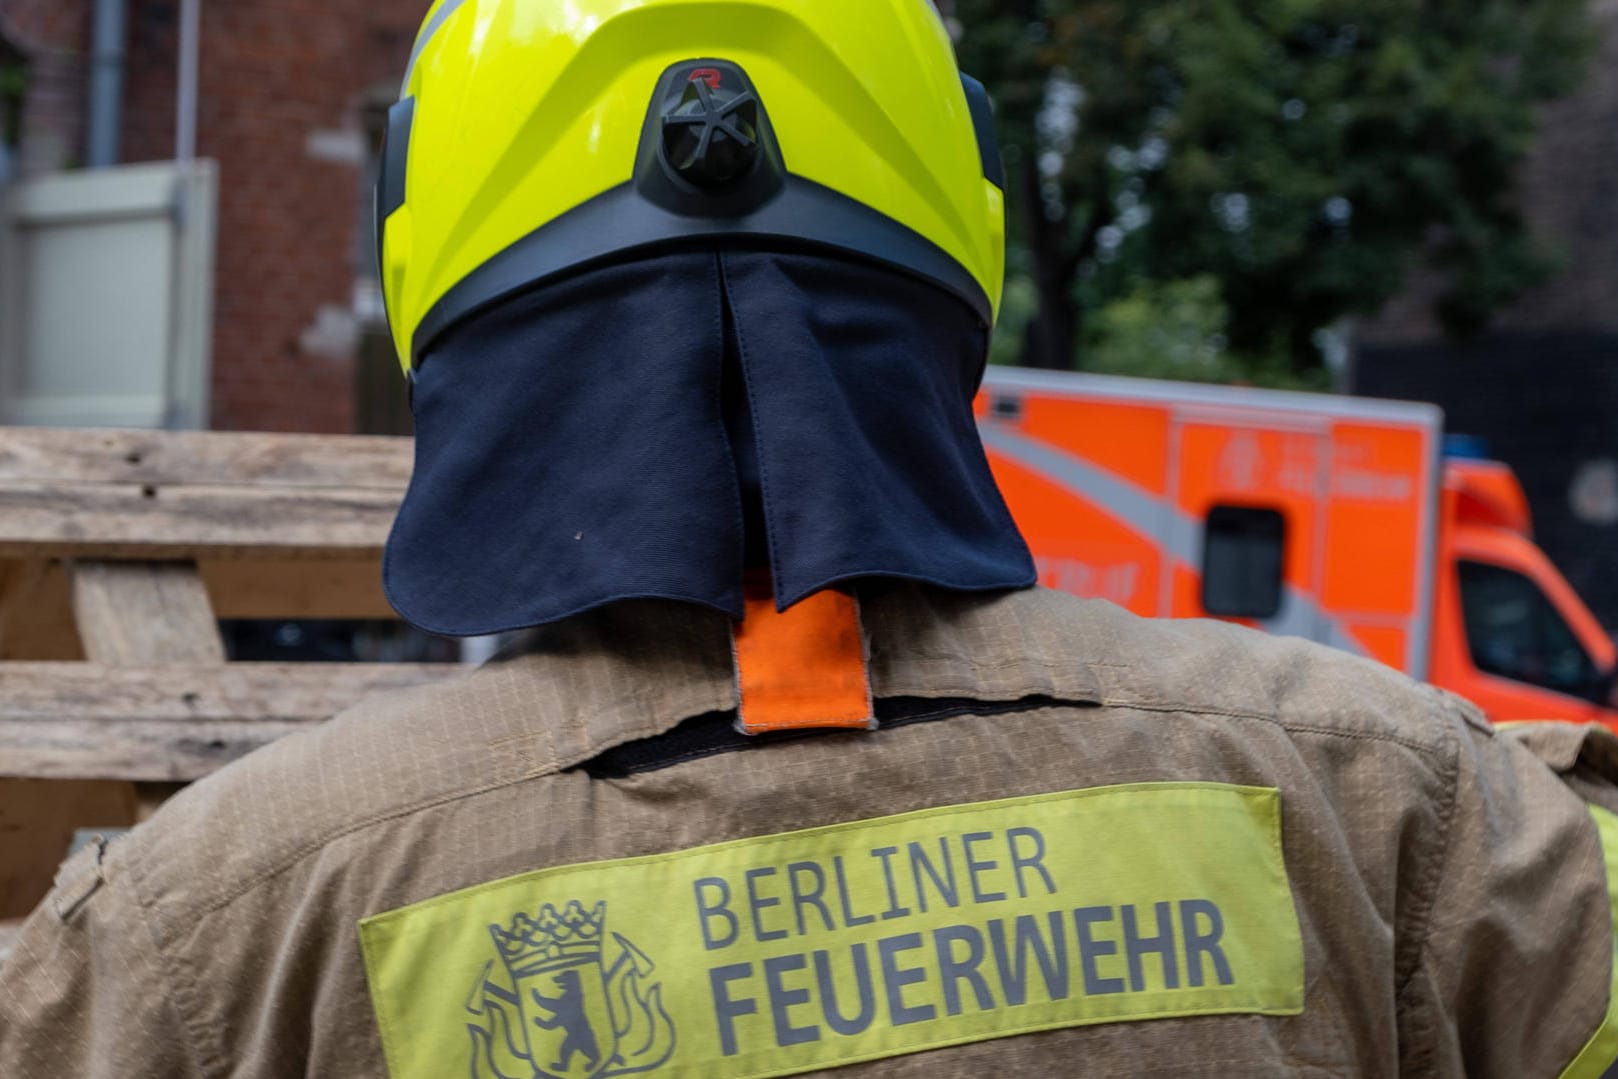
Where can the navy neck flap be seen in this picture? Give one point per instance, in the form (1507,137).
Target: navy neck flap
(598,439)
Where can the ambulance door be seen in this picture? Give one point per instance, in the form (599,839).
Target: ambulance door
(1251,487)
(1381,537)
(1085,477)
(1529,649)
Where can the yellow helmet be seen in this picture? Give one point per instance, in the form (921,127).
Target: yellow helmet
(537,137)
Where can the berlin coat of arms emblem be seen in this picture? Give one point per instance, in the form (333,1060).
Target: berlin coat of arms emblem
(567,1001)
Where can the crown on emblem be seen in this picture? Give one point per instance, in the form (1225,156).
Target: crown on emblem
(569,934)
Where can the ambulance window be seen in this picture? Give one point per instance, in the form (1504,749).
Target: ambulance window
(1242,558)
(1515,632)
(1006,406)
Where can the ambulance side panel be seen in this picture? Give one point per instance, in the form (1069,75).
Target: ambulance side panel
(1382,528)
(1241,467)
(1087,480)
(1129,490)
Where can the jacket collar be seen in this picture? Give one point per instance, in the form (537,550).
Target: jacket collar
(637,669)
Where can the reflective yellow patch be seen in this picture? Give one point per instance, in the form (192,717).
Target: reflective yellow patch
(1599,1057)
(814,949)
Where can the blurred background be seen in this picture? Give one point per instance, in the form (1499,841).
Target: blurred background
(1414,200)
(1380,197)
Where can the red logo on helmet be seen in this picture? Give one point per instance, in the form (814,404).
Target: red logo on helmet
(709,75)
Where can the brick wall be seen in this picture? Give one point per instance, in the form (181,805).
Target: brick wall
(284,86)
(284,89)
(54,35)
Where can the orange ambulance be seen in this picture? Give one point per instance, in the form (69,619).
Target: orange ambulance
(1333,518)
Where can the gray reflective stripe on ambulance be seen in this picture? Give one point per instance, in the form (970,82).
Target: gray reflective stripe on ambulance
(1180,535)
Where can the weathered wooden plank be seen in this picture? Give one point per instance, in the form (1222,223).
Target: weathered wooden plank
(165,751)
(87,721)
(202,458)
(325,589)
(145,613)
(36,612)
(133,613)
(37,620)
(154,523)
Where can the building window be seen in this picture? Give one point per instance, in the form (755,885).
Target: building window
(1243,562)
(1515,632)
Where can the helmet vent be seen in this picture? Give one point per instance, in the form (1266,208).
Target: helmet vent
(708,151)
(711,134)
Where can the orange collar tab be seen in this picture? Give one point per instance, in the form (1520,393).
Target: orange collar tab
(804,668)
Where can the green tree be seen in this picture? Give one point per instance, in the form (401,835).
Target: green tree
(1304,153)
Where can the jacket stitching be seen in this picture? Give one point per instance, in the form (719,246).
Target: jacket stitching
(1425,748)
(533,770)
(556,764)
(210,1058)
(327,838)
(1408,959)
(856,827)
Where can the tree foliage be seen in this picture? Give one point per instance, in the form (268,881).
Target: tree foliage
(1305,154)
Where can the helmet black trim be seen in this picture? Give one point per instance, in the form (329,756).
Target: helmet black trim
(660,210)
(622,223)
(977,99)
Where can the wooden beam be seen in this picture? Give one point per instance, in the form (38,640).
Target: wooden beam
(291,526)
(202,458)
(152,523)
(36,612)
(87,721)
(165,496)
(133,613)
(278,590)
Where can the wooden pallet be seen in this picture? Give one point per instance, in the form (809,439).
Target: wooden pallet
(119,553)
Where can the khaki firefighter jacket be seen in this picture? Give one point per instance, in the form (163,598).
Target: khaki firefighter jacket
(1079,844)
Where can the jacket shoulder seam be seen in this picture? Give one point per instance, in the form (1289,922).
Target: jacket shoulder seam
(325,839)
(1425,748)
(1408,957)
(209,1058)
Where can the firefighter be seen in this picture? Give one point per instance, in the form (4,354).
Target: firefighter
(791,770)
